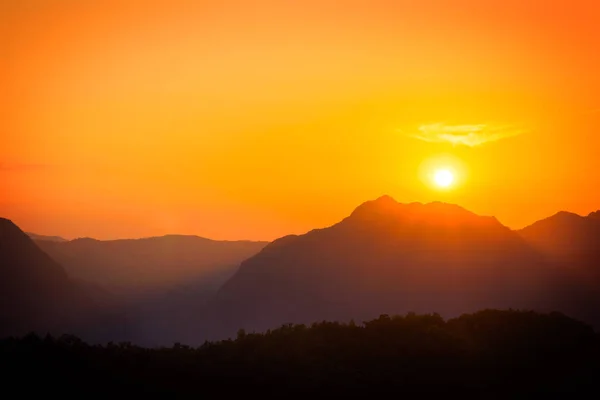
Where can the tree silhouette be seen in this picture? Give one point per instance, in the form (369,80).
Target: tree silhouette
(488,353)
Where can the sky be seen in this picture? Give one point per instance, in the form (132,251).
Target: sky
(258,119)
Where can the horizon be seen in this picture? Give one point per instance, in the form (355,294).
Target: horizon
(251,121)
(294,233)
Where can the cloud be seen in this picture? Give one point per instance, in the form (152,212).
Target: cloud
(468,135)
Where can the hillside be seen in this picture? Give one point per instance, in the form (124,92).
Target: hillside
(572,242)
(37,294)
(386,257)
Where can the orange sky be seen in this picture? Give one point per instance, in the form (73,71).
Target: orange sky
(255,119)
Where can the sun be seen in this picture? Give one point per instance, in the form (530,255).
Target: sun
(443,173)
(443,178)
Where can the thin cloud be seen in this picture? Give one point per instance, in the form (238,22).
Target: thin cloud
(468,135)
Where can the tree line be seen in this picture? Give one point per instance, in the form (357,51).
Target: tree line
(491,352)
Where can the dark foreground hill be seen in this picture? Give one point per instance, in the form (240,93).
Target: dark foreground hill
(37,295)
(393,258)
(489,354)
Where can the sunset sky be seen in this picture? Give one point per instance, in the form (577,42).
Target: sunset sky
(256,119)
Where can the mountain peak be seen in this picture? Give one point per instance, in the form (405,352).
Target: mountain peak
(563,224)
(567,218)
(381,204)
(594,215)
(564,220)
(385,199)
(386,208)
(4,222)
(566,214)
(9,230)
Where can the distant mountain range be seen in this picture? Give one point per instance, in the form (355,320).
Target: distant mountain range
(137,268)
(159,282)
(386,257)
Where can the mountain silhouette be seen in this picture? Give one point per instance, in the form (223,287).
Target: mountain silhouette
(595,215)
(159,283)
(570,239)
(37,295)
(386,257)
(140,267)
(573,242)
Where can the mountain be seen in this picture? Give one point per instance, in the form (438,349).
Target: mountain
(36,293)
(573,242)
(35,236)
(569,239)
(386,257)
(160,283)
(595,215)
(143,267)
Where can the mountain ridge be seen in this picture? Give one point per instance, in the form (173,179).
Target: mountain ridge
(384,257)
(37,237)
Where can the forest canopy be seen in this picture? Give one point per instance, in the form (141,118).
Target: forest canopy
(488,352)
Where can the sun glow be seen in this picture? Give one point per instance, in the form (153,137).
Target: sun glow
(443,178)
(443,172)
